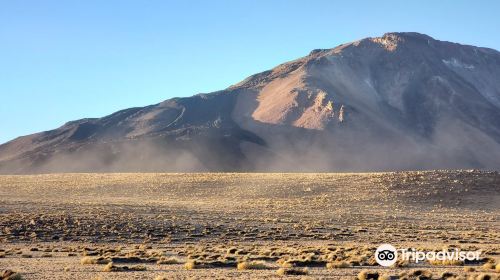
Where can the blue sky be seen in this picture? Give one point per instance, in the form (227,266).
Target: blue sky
(68,59)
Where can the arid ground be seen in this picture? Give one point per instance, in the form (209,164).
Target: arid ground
(226,225)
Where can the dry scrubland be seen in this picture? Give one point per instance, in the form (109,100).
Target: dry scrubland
(183,226)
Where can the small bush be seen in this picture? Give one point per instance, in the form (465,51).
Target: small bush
(339,264)
(285,264)
(469,269)
(171,260)
(110,267)
(446,262)
(421,273)
(251,265)
(231,250)
(191,265)
(484,276)
(365,275)
(384,277)
(489,265)
(292,271)
(447,274)
(401,263)
(11,275)
(91,260)
(136,268)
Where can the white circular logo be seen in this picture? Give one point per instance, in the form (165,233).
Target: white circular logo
(386,255)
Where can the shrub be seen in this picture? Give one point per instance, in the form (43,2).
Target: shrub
(469,269)
(11,275)
(191,265)
(91,260)
(170,260)
(484,276)
(110,267)
(251,265)
(489,265)
(338,264)
(447,274)
(365,275)
(292,271)
(446,262)
(384,277)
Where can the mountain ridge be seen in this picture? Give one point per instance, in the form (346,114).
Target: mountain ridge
(397,102)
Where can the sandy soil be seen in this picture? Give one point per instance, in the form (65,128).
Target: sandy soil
(48,223)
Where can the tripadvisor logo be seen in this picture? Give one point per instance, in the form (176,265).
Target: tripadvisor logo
(387,255)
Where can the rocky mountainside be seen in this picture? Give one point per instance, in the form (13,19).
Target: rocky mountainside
(397,102)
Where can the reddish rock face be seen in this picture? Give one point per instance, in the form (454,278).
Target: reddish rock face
(400,101)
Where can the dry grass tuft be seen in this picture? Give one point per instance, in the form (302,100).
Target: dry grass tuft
(401,263)
(384,277)
(170,260)
(366,275)
(338,264)
(488,265)
(421,273)
(91,260)
(446,262)
(285,263)
(251,265)
(191,265)
(416,274)
(484,276)
(231,250)
(447,274)
(11,275)
(110,267)
(292,271)
(136,268)
(15,276)
(469,269)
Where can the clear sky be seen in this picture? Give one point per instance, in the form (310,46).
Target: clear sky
(67,59)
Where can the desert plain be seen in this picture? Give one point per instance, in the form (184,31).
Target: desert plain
(246,225)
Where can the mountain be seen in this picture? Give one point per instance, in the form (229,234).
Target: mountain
(397,102)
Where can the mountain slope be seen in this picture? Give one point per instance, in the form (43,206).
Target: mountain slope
(400,101)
